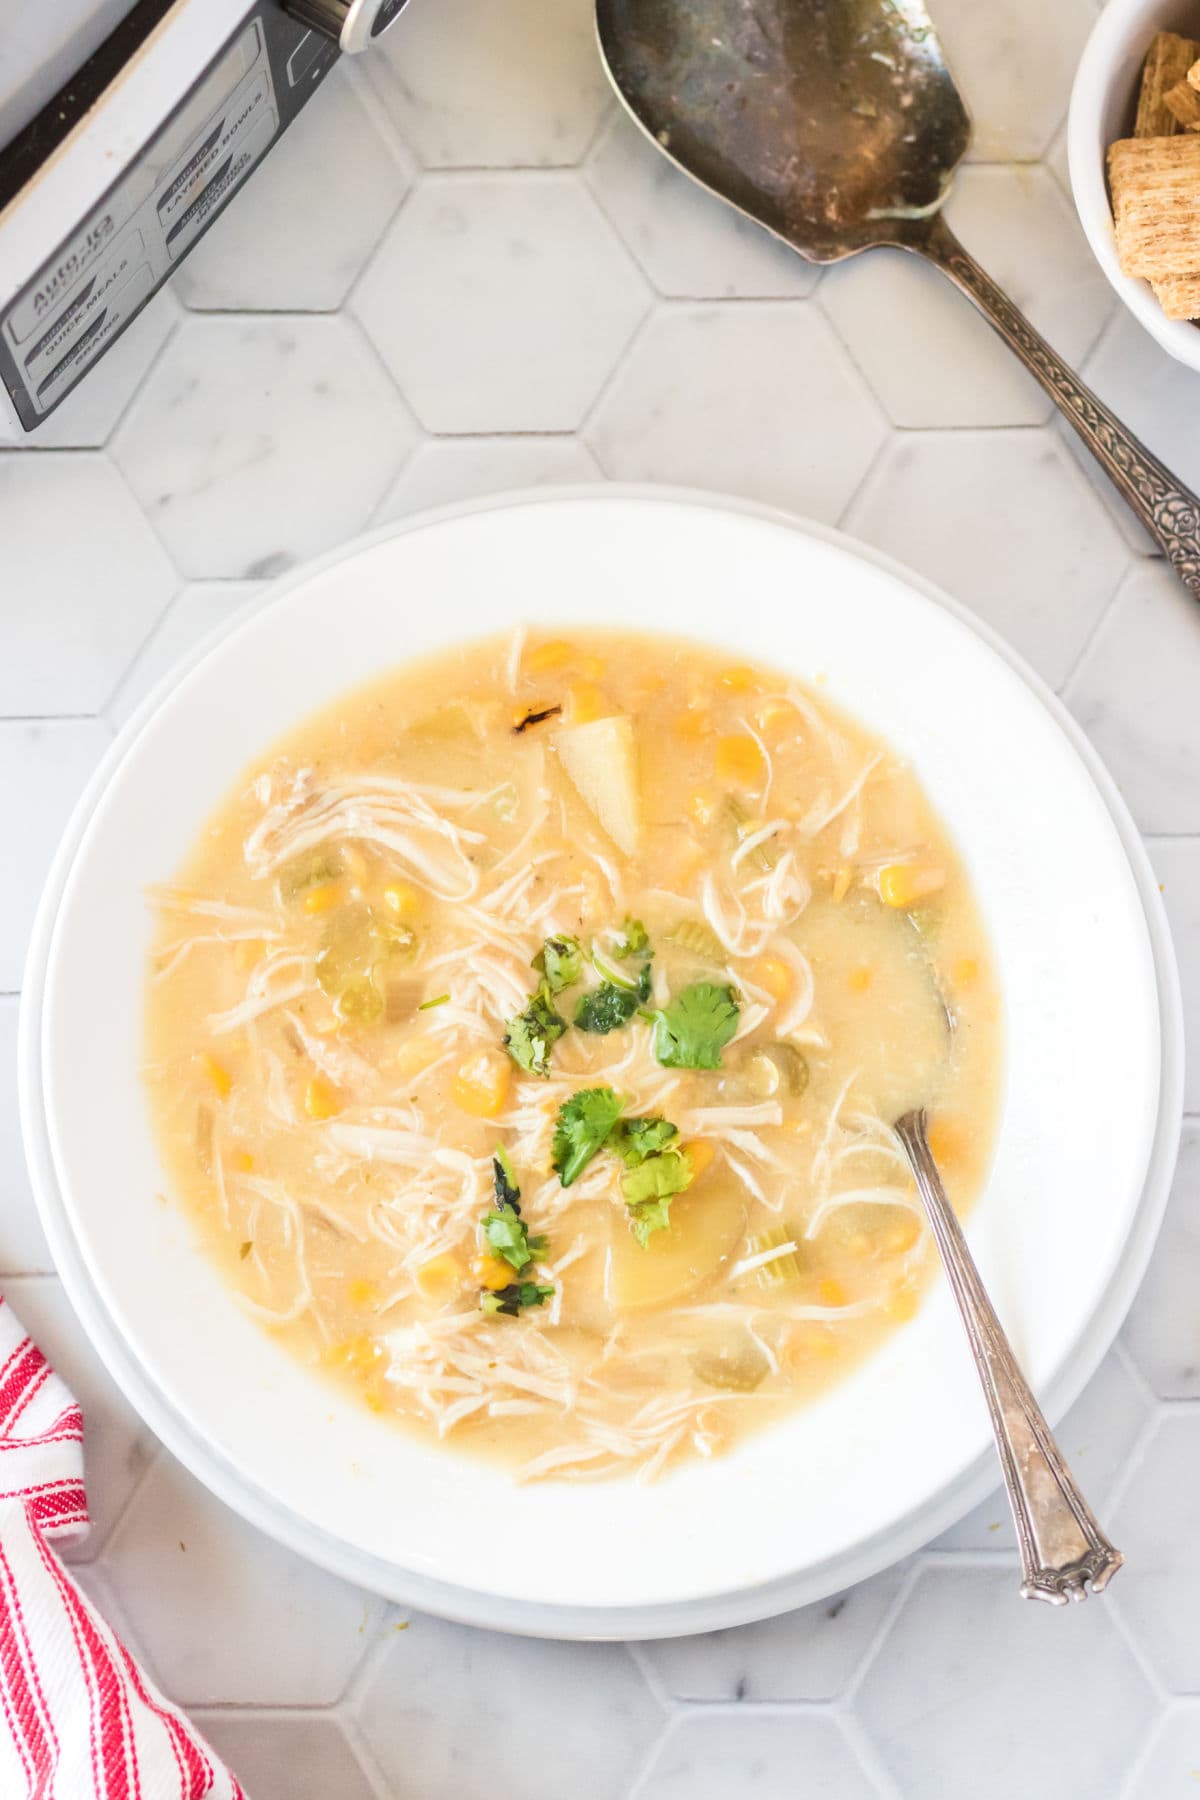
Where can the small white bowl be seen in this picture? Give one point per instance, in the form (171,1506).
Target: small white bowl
(1090,1114)
(1103,100)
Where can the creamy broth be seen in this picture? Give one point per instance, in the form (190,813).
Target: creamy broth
(609,1211)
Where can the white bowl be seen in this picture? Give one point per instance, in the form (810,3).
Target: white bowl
(1090,1112)
(1103,101)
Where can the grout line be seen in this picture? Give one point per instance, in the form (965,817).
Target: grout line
(58,718)
(654,310)
(151,637)
(642,1661)
(1091,638)
(654,1749)
(139,387)
(869,1758)
(872,1648)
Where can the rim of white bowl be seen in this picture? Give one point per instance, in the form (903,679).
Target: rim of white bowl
(1089,185)
(713,1611)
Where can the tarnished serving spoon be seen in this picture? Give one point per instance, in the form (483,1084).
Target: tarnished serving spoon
(837,125)
(1063,1550)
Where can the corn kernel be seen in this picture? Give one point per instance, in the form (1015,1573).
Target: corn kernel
(361,1293)
(810,1342)
(550,655)
(830,1291)
(585,702)
(217,1075)
(414,1056)
(773,974)
(694,723)
(776,716)
(859,979)
(700,1154)
(441,1277)
(491,1272)
(841,884)
(737,680)
(903,1302)
(358,1354)
(965,972)
(323,899)
(903,884)
(592,667)
(902,1235)
(242,1162)
(740,761)
(375,1400)
(400,899)
(947,1141)
(320,1100)
(481,1085)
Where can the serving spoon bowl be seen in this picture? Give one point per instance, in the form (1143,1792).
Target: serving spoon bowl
(837,125)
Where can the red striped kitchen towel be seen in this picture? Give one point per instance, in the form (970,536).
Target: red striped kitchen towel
(81,1721)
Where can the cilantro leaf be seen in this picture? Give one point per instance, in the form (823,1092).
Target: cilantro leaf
(632,940)
(651,1182)
(511,1300)
(636,1139)
(693,1028)
(530,1036)
(504,1180)
(646,1219)
(606,1009)
(560,960)
(583,1124)
(612,1005)
(507,1237)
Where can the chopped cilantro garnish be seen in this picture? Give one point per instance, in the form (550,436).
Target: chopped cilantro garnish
(606,1009)
(612,1004)
(583,1124)
(636,1139)
(693,1028)
(632,940)
(656,1169)
(438,1000)
(504,1180)
(560,960)
(530,1037)
(507,1236)
(513,1299)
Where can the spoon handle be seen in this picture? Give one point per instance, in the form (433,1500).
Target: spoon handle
(1168,510)
(1063,1549)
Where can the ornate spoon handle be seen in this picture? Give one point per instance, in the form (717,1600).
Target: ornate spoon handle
(1062,1547)
(1168,510)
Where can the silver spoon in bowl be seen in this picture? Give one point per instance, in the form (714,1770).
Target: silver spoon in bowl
(1063,1550)
(837,125)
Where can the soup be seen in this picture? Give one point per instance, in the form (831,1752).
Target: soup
(526,1033)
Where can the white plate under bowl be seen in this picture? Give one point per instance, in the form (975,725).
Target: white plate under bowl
(1089,1121)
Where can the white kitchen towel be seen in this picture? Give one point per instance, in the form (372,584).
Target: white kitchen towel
(80,1719)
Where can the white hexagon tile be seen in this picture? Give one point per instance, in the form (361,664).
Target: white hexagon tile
(464,270)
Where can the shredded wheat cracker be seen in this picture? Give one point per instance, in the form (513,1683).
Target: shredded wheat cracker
(1155,186)
(1168,62)
(1184,102)
(1179,295)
